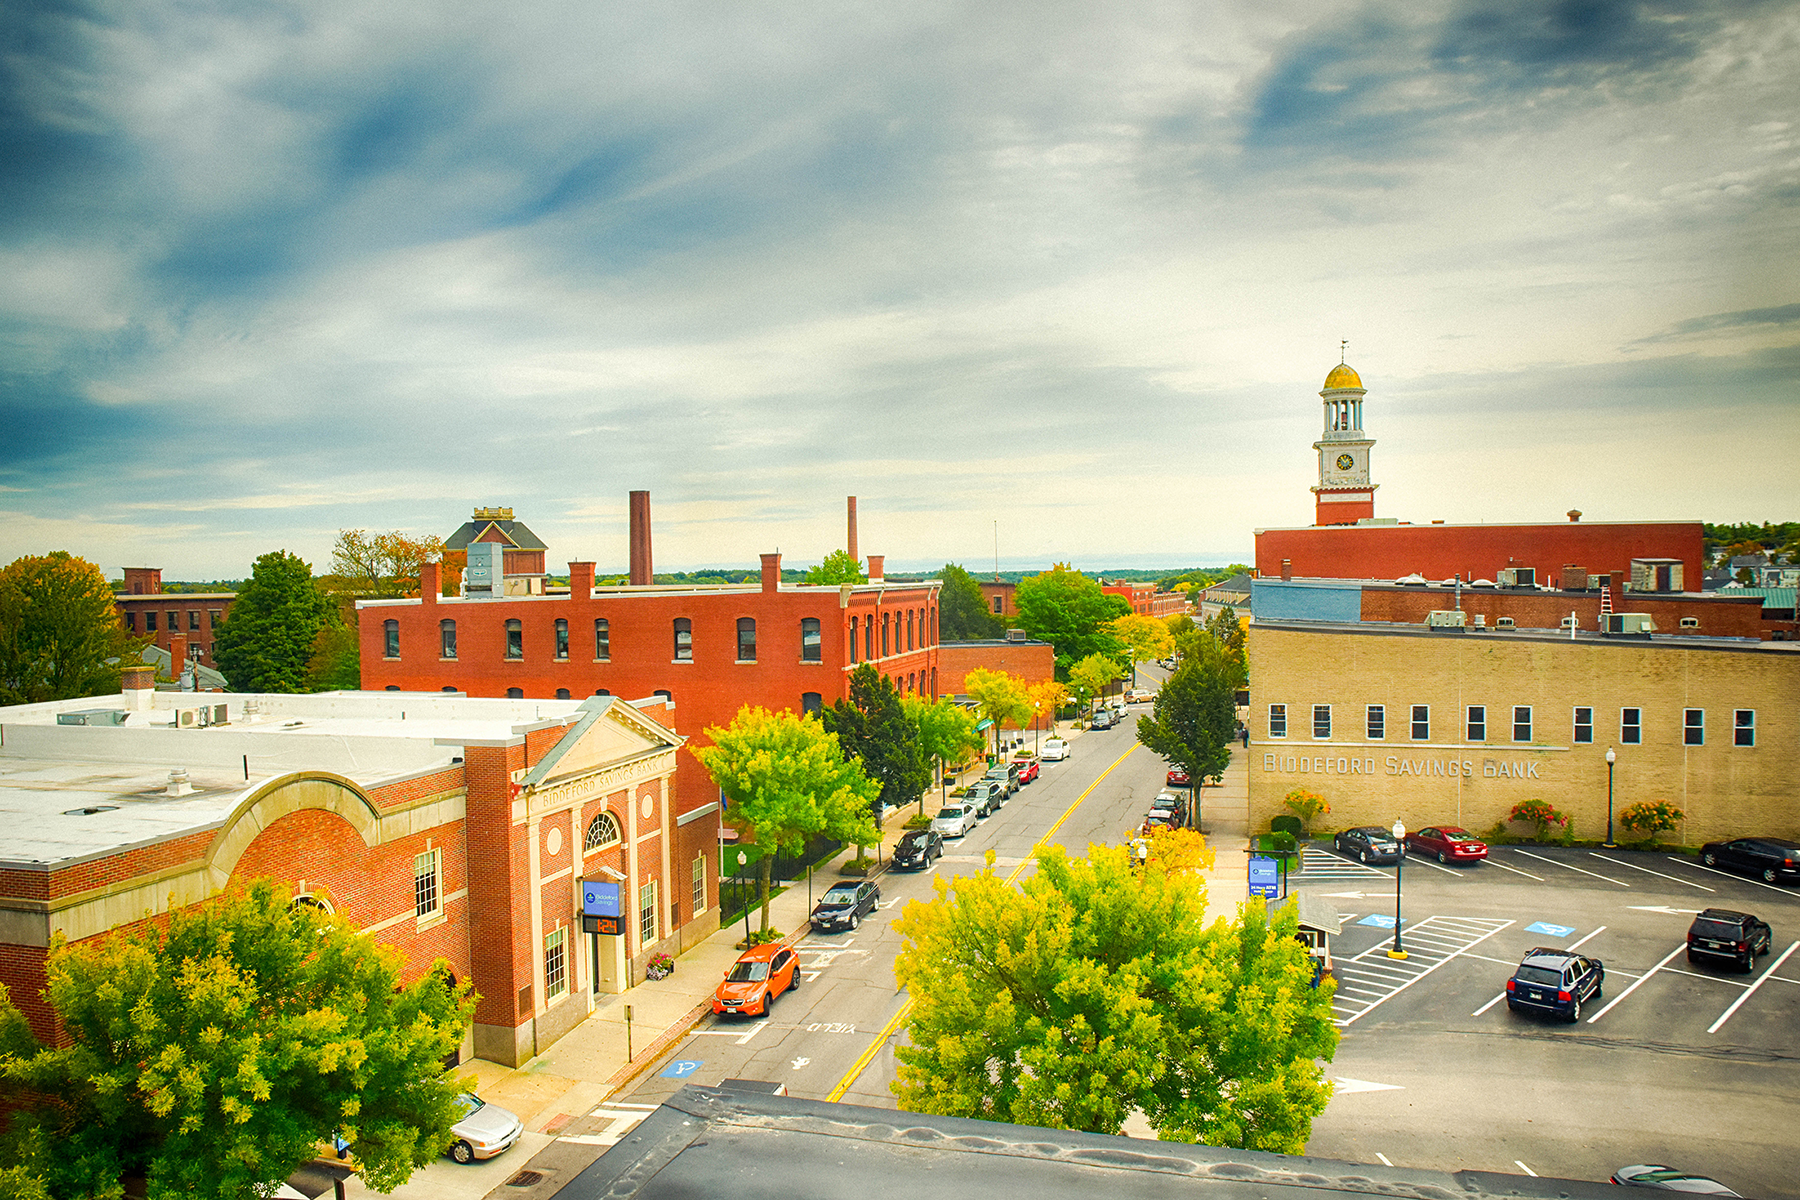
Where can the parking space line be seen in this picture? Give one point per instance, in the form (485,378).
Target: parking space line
(1619,862)
(1422,862)
(1525,1168)
(1453,936)
(1488,1005)
(1751,990)
(1705,975)
(1565,866)
(1319,863)
(1727,874)
(1527,874)
(1640,982)
(1597,932)
(1383,1158)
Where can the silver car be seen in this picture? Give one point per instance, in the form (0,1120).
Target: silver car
(484,1131)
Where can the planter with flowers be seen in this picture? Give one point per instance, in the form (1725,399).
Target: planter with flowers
(661,967)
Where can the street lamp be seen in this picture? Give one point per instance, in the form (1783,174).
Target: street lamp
(1611,758)
(1035,706)
(1399,832)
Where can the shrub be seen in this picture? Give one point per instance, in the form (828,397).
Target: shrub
(862,864)
(760,936)
(1651,817)
(1542,815)
(918,821)
(1307,805)
(661,966)
(1285,824)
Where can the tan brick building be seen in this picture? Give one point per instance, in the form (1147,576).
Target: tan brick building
(1451,726)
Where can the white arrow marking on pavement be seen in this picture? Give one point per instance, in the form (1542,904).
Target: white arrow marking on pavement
(1662,908)
(1346,1086)
(801,1062)
(1344,895)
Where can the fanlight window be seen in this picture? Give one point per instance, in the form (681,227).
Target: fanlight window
(604,831)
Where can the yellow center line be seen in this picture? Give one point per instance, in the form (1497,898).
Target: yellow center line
(874,1047)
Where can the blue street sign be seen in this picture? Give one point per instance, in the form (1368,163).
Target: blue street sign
(1265,876)
(1378,921)
(1545,927)
(599,898)
(681,1068)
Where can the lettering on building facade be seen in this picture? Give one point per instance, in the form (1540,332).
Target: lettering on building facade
(1275,762)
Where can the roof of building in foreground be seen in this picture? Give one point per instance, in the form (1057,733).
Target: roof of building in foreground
(1490,635)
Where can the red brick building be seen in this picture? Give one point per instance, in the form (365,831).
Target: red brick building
(1146,601)
(190,618)
(1033,662)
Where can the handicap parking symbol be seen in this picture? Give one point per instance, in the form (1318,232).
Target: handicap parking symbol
(1549,930)
(681,1068)
(1378,921)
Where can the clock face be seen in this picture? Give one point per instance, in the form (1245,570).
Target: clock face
(1345,462)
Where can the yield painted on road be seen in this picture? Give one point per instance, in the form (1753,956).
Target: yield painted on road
(1317,865)
(1371,978)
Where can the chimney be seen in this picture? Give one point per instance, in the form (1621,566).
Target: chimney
(581,580)
(1287,570)
(137,683)
(431,581)
(875,561)
(178,644)
(641,574)
(1574,514)
(771,572)
(850,545)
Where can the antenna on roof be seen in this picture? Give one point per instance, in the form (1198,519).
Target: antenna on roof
(1343,350)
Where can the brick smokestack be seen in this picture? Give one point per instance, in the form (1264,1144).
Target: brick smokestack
(1287,570)
(431,582)
(178,652)
(137,682)
(581,580)
(876,561)
(641,574)
(850,543)
(771,572)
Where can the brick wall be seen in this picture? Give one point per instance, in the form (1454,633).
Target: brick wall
(1033,662)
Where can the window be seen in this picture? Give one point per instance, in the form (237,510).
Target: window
(390,630)
(603,830)
(174,620)
(1631,726)
(1584,726)
(562,693)
(131,620)
(515,639)
(1477,731)
(852,639)
(213,617)
(746,639)
(447,639)
(556,965)
(1421,722)
(1693,727)
(515,693)
(1277,720)
(562,638)
(149,621)
(811,646)
(1521,723)
(684,640)
(602,691)
(647,914)
(884,635)
(602,639)
(1744,727)
(427,894)
(1321,720)
(1377,722)
(663,694)
(869,636)
(194,619)
(699,884)
(996,604)
(909,629)
(811,702)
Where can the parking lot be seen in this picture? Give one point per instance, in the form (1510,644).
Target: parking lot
(1694,1066)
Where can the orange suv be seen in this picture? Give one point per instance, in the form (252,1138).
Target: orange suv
(760,974)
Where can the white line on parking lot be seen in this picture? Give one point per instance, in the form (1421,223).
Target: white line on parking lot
(1640,982)
(1525,1168)
(1488,1005)
(1383,1158)
(1527,874)
(1422,862)
(1788,892)
(1570,949)
(1767,971)
(1365,968)
(1646,870)
(1565,866)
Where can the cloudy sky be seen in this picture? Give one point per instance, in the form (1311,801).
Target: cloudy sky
(269,271)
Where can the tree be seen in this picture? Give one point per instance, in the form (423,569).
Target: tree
(1214,656)
(1098,989)
(1067,609)
(999,697)
(1046,697)
(1144,639)
(963,614)
(335,663)
(1089,678)
(213,1058)
(378,566)
(1192,722)
(872,727)
(267,639)
(1227,629)
(787,780)
(946,731)
(59,630)
(837,568)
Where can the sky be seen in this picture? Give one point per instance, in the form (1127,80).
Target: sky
(1047,281)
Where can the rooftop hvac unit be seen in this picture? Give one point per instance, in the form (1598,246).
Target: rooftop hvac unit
(1447,618)
(1503,623)
(188,718)
(220,715)
(484,574)
(92,716)
(1630,624)
(1518,577)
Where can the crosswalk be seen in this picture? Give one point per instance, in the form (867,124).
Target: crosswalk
(1372,977)
(1320,865)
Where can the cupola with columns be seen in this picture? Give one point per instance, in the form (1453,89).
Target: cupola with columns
(1343,494)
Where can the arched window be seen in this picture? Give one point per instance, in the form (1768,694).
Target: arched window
(393,687)
(448,687)
(811,646)
(853,631)
(684,640)
(909,629)
(515,639)
(603,830)
(306,900)
(447,638)
(602,639)
(515,693)
(869,636)
(746,639)
(562,693)
(811,702)
(884,635)
(390,629)
(601,692)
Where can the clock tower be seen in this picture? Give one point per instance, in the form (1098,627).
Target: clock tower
(1344,494)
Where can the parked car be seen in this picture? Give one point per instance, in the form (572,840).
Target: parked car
(1170,803)
(1139,696)
(1556,982)
(1770,859)
(1447,844)
(918,849)
(844,905)
(986,797)
(760,974)
(1028,769)
(1055,750)
(1004,774)
(1653,1175)
(1103,718)
(954,819)
(483,1130)
(1178,777)
(1720,933)
(1159,818)
(1367,844)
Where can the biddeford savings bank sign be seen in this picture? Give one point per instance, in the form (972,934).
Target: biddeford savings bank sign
(1275,762)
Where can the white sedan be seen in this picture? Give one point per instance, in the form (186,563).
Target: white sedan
(955,820)
(1055,750)
(484,1130)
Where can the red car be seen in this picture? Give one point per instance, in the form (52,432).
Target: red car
(1028,769)
(1448,843)
(1177,777)
(760,974)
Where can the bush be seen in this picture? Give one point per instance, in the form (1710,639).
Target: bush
(660,966)
(860,865)
(1540,814)
(1651,817)
(1285,824)
(1307,805)
(760,936)
(918,821)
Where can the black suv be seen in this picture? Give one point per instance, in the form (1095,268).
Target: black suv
(917,848)
(1721,933)
(1555,981)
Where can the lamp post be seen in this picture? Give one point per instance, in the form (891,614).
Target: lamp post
(1399,832)
(1611,758)
(1035,706)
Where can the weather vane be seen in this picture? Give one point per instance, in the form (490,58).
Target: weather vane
(1343,350)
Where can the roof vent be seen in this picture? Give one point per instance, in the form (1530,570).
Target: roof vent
(90,810)
(178,783)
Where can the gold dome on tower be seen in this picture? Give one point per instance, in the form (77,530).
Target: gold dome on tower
(1342,376)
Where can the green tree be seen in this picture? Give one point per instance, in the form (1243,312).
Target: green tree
(787,780)
(999,697)
(872,727)
(1144,639)
(963,614)
(837,568)
(59,630)
(946,731)
(1089,678)
(213,1058)
(1097,989)
(1192,722)
(1067,609)
(1213,656)
(335,663)
(267,640)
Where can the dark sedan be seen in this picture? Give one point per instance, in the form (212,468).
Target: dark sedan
(1447,844)
(918,849)
(1368,844)
(1769,859)
(1655,1175)
(1555,982)
(844,906)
